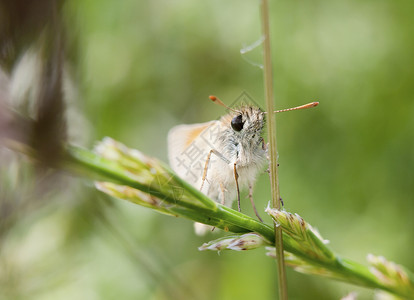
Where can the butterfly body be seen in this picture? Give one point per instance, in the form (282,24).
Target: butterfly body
(222,155)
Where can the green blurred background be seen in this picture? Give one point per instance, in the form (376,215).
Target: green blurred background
(142,67)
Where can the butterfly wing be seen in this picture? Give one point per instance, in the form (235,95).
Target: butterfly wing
(188,147)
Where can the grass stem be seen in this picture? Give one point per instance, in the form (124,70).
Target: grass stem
(271,129)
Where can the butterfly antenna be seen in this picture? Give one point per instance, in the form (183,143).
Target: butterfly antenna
(305,106)
(219,102)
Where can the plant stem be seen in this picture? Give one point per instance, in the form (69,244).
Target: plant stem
(84,162)
(271,128)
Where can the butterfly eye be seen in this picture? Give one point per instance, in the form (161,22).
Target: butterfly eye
(237,123)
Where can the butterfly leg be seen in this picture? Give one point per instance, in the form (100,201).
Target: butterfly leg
(205,169)
(236,177)
(252,202)
(218,154)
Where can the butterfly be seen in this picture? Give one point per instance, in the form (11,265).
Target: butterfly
(224,156)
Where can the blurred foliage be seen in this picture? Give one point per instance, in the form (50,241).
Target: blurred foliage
(140,67)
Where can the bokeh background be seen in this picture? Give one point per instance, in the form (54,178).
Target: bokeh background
(135,69)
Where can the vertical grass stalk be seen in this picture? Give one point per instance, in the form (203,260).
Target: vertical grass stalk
(271,129)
